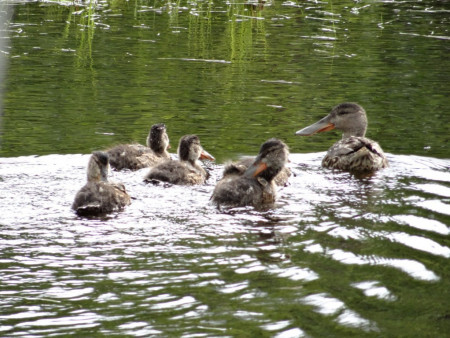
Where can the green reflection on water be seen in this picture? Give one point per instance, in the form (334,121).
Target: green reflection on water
(83,78)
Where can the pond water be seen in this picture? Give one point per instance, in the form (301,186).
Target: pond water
(337,255)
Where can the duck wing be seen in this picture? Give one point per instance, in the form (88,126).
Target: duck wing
(126,156)
(176,172)
(355,154)
(97,198)
(150,159)
(240,191)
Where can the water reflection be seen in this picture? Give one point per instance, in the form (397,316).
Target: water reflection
(111,69)
(338,255)
(186,262)
(422,223)
(373,289)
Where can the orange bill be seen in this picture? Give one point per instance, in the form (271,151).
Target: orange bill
(260,167)
(206,156)
(317,127)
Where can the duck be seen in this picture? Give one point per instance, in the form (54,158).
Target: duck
(255,187)
(187,170)
(239,167)
(137,156)
(354,152)
(99,196)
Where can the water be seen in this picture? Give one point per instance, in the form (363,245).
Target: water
(80,80)
(337,256)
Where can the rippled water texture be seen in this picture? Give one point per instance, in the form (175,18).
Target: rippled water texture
(338,255)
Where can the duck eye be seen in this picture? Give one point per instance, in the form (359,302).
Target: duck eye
(343,112)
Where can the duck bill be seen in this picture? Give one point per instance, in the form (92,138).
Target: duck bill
(255,169)
(206,156)
(318,127)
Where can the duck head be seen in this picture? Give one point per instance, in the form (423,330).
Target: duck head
(190,150)
(157,139)
(350,118)
(272,157)
(98,167)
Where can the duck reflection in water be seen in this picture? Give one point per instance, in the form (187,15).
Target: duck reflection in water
(137,156)
(98,196)
(255,187)
(354,152)
(185,171)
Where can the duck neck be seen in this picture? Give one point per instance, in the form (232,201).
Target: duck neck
(155,144)
(198,167)
(97,176)
(358,132)
(195,164)
(96,171)
(269,174)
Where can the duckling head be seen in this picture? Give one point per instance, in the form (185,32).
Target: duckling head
(98,167)
(272,157)
(157,139)
(190,149)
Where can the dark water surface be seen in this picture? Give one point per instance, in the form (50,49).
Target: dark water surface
(81,79)
(337,256)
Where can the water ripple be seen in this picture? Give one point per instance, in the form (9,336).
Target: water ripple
(373,289)
(184,260)
(422,223)
(413,268)
(326,305)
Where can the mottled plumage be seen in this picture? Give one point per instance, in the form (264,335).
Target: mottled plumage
(354,152)
(239,167)
(136,156)
(185,171)
(98,196)
(255,187)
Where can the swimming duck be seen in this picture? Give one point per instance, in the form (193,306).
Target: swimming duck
(185,171)
(239,167)
(98,196)
(354,152)
(255,187)
(136,156)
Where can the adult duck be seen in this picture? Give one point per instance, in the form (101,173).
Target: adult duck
(354,152)
(255,187)
(187,170)
(98,196)
(137,156)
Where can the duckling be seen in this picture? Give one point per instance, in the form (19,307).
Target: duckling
(98,196)
(255,187)
(136,156)
(239,167)
(353,152)
(185,171)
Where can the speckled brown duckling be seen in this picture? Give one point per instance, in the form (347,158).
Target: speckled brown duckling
(98,196)
(354,152)
(185,171)
(136,156)
(239,167)
(255,187)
